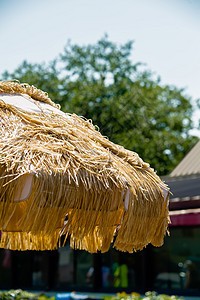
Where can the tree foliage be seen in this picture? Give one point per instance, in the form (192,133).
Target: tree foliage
(133,109)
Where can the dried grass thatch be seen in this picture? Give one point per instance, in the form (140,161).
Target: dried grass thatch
(83,186)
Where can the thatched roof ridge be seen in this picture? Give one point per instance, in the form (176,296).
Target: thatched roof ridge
(14,87)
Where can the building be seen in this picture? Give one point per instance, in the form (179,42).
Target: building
(182,268)
(172,268)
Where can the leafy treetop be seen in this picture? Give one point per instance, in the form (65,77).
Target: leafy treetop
(133,109)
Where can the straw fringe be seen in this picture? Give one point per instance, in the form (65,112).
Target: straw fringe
(27,241)
(79,186)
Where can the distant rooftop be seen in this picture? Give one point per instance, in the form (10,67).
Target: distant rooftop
(184,180)
(190,164)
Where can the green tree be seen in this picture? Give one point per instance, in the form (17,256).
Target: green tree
(133,109)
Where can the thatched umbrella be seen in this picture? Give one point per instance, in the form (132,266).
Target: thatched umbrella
(60,176)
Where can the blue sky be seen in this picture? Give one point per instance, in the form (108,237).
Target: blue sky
(166,33)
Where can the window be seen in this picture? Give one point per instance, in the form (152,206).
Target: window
(177,263)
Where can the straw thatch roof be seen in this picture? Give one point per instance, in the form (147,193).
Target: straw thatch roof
(79,183)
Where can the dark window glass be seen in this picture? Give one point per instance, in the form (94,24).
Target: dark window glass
(44,269)
(85,269)
(177,263)
(123,270)
(65,270)
(5,269)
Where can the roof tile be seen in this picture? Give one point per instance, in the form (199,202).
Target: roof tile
(190,164)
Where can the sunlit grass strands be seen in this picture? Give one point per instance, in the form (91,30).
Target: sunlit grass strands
(83,185)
